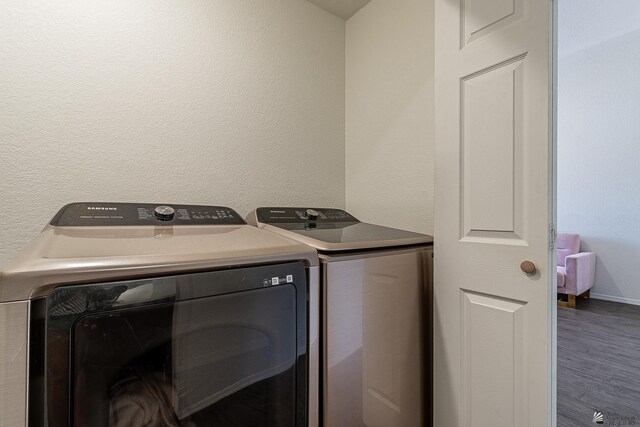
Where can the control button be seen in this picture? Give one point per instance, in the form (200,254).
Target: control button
(164,213)
(311,214)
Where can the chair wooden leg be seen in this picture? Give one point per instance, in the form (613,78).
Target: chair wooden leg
(569,303)
(586,294)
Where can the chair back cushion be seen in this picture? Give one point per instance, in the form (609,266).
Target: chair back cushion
(568,244)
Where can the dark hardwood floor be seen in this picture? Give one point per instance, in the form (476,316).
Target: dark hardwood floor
(598,363)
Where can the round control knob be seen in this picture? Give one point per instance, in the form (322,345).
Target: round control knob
(164,213)
(311,214)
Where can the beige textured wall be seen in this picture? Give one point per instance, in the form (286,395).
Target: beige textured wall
(390,113)
(230,102)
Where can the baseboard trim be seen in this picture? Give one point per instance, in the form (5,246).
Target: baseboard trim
(615,299)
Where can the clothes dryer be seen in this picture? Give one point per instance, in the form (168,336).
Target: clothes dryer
(376,324)
(140,314)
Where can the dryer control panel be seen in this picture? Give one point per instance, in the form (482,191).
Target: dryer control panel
(114,214)
(303,215)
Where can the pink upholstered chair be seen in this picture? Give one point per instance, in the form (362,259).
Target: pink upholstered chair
(576,270)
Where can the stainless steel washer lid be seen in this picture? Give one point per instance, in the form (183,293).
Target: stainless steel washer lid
(88,254)
(332,230)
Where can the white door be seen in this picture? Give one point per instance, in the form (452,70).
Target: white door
(493,341)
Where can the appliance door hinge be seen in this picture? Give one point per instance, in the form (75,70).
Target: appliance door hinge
(552,237)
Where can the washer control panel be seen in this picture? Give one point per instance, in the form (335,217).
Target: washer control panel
(303,215)
(113,214)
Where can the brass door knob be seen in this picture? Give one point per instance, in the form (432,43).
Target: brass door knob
(528,267)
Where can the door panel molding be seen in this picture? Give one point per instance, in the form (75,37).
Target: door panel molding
(479,19)
(493,369)
(491,149)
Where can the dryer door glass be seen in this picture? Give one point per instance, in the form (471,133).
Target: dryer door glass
(208,351)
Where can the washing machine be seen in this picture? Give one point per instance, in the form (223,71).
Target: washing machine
(376,329)
(132,314)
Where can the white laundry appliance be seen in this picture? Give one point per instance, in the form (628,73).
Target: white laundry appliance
(141,314)
(376,328)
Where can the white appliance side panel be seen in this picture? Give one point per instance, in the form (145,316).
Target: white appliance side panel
(374,347)
(14,327)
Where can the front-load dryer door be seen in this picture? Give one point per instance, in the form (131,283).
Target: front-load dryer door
(224,348)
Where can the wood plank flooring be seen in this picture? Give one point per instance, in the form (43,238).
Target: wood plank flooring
(598,363)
